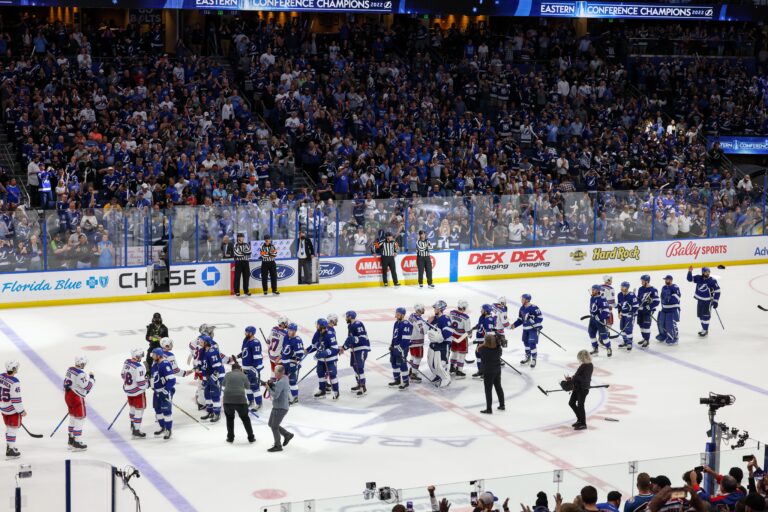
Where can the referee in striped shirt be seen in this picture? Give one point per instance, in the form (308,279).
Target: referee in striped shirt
(388,249)
(242,252)
(423,259)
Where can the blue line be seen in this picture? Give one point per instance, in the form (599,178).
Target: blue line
(661,355)
(163,486)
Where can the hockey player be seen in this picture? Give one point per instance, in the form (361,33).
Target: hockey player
(598,318)
(164,387)
(500,310)
(439,341)
(253,363)
(195,358)
(11,406)
(276,338)
(486,324)
(670,312)
(167,345)
(609,294)
(293,354)
(420,328)
(134,376)
(327,354)
(213,375)
(398,350)
(77,385)
(627,307)
(648,301)
(707,296)
(358,343)
(530,318)
(461,326)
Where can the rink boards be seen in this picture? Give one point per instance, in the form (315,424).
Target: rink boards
(206,279)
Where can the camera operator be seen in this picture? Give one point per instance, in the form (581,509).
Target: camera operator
(579,387)
(490,355)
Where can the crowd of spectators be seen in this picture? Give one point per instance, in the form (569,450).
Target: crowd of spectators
(480,140)
(733,493)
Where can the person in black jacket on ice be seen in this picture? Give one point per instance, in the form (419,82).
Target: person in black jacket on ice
(155,332)
(579,386)
(490,355)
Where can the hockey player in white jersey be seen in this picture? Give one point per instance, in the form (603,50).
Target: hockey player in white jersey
(167,345)
(461,326)
(77,385)
(439,341)
(420,329)
(609,294)
(135,383)
(11,406)
(277,337)
(500,311)
(194,359)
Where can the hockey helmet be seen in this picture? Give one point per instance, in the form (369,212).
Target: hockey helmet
(462,304)
(400,311)
(137,353)
(158,352)
(646,278)
(293,327)
(250,329)
(322,323)
(332,317)
(440,304)
(625,284)
(350,314)
(81,361)
(597,288)
(419,308)
(705,269)
(166,343)
(501,300)
(526,296)
(207,340)
(11,366)
(283,320)
(607,278)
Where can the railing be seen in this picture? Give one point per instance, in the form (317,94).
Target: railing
(523,488)
(115,237)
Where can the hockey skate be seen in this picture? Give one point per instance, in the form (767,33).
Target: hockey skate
(335,395)
(394,383)
(12,453)
(77,446)
(355,388)
(594,352)
(167,435)
(70,441)
(361,392)
(137,433)
(208,416)
(703,333)
(320,394)
(414,377)
(216,417)
(460,375)
(403,386)
(533,363)
(610,351)
(526,360)
(293,401)
(160,432)
(254,407)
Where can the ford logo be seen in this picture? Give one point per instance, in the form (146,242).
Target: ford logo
(283,272)
(329,269)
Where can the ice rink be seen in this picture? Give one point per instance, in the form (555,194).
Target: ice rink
(404,439)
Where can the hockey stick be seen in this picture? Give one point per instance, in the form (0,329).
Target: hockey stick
(516,370)
(585,317)
(117,416)
(59,425)
(553,341)
(193,418)
(264,337)
(711,299)
(761,308)
(307,374)
(36,436)
(548,391)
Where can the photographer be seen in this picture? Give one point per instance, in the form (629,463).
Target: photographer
(490,355)
(579,387)
(236,385)
(281,394)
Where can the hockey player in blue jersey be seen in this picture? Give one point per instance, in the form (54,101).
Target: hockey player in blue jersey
(163,387)
(253,362)
(598,318)
(626,303)
(359,345)
(440,336)
(707,296)
(327,354)
(291,357)
(648,302)
(530,318)
(486,324)
(670,312)
(398,350)
(213,375)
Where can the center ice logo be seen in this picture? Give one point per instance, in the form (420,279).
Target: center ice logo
(210,276)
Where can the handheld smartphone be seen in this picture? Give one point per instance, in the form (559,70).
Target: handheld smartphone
(678,493)
(747,458)
(473,498)
(699,469)
(408,506)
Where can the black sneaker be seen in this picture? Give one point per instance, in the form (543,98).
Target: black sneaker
(477,375)
(421,286)
(275,293)
(580,426)
(397,285)
(394,384)
(251,439)
(237,294)
(167,435)
(501,408)
(247,294)
(266,293)
(486,411)
(230,440)
(287,439)
(386,284)
(431,286)
(275,449)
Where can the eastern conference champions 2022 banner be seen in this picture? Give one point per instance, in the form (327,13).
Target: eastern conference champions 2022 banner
(352,6)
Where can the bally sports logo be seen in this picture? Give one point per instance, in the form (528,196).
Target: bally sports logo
(693,249)
(329,269)
(408,264)
(283,272)
(501,260)
(368,266)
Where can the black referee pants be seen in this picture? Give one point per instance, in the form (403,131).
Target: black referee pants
(269,272)
(388,262)
(242,272)
(424,264)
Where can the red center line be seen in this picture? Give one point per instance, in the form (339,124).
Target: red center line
(449,406)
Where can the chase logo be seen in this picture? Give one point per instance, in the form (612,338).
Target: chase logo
(92,282)
(330,269)
(210,276)
(283,272)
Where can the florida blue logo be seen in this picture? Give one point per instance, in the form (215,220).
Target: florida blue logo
(283,272)
(92,282)
(210,276)
(330,269)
